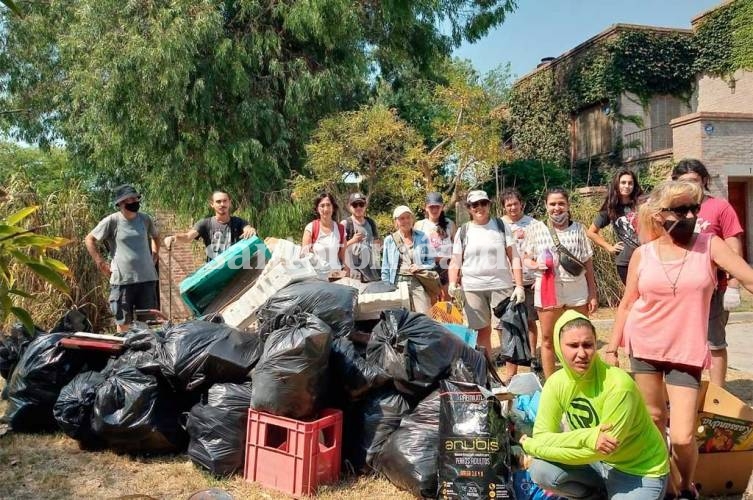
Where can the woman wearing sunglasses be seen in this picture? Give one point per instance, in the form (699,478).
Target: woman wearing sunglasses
(716,216)
(662,318)
(484,254)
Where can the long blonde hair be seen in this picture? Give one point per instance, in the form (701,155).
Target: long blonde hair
(663,196)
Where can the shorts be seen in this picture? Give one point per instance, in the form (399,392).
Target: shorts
(533,315)
(479,305)
(569,293)
(124,299)
(717,322)
(674,374)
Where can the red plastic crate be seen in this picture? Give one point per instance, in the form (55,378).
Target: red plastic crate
(291,455)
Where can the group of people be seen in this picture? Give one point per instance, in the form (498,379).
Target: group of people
(678,252)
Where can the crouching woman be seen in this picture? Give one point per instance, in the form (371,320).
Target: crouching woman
(611,448)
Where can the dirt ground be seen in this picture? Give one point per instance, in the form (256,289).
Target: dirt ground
(52,467)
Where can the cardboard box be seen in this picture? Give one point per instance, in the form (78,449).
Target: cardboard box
(725,440)
(723,473)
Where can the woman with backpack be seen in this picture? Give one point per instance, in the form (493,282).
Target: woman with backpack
(560,253)
(485,258)
(324,237)
(620,210)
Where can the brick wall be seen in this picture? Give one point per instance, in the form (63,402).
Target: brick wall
(718,95)
(186,258)
(723,141)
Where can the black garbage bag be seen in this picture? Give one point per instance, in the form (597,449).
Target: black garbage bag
(382,414)
(290,377)
(43,370)
(12,347)
(332,303)
(474,444)
(515,346)
(134,414)
(409,456)
(217,428)
(417,352)
(351,370)
(73,321)
(73,408)
(139,351)
(198,354)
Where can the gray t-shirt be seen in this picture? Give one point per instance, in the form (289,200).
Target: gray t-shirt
(130,247)
(361,255)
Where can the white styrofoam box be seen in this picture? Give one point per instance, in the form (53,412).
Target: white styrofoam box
(283,249)
(371,304)
(240,313)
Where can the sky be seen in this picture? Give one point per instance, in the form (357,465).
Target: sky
(542,28)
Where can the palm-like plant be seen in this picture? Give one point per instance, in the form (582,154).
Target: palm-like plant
(23,247)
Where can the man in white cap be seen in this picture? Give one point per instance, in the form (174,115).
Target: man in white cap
(484,254)
(133,242)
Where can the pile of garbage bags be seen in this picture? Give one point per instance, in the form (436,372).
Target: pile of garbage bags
(187,387)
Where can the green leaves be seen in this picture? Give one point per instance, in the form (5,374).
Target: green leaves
(22,247)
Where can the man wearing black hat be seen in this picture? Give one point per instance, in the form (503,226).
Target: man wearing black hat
(133,243)
(362,240)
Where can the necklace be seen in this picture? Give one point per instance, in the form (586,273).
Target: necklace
(673,284)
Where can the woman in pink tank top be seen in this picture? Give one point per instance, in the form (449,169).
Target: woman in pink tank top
(662,320)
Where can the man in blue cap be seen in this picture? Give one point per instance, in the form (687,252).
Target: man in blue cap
(133,242)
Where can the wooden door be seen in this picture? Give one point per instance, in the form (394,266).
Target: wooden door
(738,198)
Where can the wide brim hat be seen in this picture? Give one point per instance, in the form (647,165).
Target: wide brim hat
(123,192)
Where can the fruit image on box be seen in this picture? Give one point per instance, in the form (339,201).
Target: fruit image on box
(717,433)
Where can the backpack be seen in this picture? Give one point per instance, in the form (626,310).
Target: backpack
(464,232)
(350,227)
(113,228)
(315,231)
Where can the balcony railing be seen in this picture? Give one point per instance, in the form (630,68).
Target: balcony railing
(648,140)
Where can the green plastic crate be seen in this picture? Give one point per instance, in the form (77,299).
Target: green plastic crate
(202,287)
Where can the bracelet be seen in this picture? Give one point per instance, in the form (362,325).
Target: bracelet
(610,352)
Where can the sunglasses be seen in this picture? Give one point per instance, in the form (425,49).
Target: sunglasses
(477,204)
(358,204)
(683,210)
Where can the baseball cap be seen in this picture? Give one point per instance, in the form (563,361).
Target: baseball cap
(124,191)
(354,197)
(434,199)
(477,195)
(400,210)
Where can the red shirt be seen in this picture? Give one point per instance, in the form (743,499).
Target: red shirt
(719,218)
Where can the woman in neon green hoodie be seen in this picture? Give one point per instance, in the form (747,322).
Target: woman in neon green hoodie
(612,449)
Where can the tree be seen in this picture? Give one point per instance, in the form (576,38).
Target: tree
(470,130)
(187,95)
(371,146)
